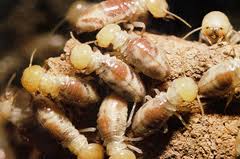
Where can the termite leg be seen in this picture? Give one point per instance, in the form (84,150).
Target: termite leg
(200,105)
(90,129)
(229,100)
(147,98)
(134,148)
(129,122)
(157,91)
(165,128)
(181,119)
(136,139)
(140,25)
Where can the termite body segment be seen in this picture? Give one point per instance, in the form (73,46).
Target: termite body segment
(136,51)
(114,72)
(154,114)
(220,79)
(54,120)
(112,124)
(115,11)
(36,79)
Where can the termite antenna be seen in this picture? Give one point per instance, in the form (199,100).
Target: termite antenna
(10,82)
(134,148)
(31,59)
(91,129)
(131,115)
(179,18)
(191,32)
(91,42)
(57,26)
(136,139)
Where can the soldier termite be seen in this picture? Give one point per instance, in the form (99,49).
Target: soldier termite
(216,28)
(112,124)
(154,114)
(115,11)
(118,75)
(221,79)
(54,120)
(136,51)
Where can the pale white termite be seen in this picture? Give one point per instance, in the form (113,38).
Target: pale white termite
(114,72)
(154,114)
(216,28)
(115,11)
(221,79)
(135,50)
(112,124)
(73,90)
(54,120)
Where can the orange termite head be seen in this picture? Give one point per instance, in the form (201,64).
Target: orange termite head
(81,56)
(215,26)
(31,78)
(91,151)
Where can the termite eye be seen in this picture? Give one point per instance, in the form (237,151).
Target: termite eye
(207,27)
(157,7)
(31,78)
(106,35)
(91,151)
(81,56)
(221,28)
(124,154)
(186,88)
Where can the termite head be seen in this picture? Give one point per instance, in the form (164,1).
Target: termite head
(93,151)
(157,8)
(215,26)
(81,56)
(31,78)
(185,87)
(106,35)
(123,154)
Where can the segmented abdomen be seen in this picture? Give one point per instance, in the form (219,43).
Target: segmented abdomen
(146,58)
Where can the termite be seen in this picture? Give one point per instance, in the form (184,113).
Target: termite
(115,11)
(114,72)
(221,79)
(154,114)
(135,50)
(73,90)
(112,124)
(216,28)
(54,120)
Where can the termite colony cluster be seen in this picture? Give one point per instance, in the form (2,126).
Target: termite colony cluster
(126,83)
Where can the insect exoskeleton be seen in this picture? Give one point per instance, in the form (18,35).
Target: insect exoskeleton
(115,11)
(112,124)
(154,114)
(220,79)
(216,28)
(54,120)
(15,106)
(114,72)
(135,50)
(72,90)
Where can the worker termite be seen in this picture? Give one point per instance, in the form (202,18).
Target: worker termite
(112,124)
(216,28)
(154,114)
(118,75)
(36,79)
(115,11)
(221,79)
(54,120)
(136,51)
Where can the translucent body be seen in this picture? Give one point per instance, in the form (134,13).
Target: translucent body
(154,114)
(112,71)
(115,11)
(220,79)
(60,126)
(58,86)
(136,51)
(112,124)
(216,27)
